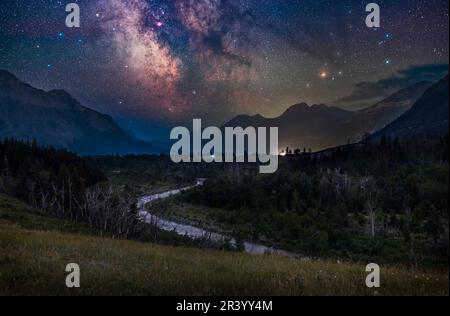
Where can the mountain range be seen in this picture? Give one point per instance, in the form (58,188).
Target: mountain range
(318,127)
(56,118)
(428,117)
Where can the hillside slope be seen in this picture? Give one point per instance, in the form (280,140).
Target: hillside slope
(35,250)
(428,117)
(56,118)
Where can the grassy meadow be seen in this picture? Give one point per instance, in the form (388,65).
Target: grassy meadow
(35,250)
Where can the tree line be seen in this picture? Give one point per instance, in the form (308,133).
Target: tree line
(388,199)
(58,183)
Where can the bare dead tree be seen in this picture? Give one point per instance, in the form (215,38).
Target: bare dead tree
(69,186)
(410,235)
(372,209)
(112,210)
(43,207)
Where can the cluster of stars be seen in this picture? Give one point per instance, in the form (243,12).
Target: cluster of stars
(174,59)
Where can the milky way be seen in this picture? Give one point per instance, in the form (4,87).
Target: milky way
(149,61)
(168,61)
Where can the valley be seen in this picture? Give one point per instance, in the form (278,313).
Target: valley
(34,251)
(188,229)
(141,224)
(204,151)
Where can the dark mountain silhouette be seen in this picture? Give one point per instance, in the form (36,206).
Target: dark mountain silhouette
(55,118)
(376,117)
(319,127)
(428,116)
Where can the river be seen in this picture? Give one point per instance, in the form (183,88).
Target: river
(192,231)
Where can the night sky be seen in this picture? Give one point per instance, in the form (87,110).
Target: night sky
(155,63)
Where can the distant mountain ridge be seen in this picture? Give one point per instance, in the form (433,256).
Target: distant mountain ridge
(320,127)
(56,118)
(429,116)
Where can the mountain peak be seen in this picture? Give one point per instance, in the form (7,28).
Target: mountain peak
(400,101)
(321,126)
(6,73)
(428,116)
(60,94)
(303,108)
(7,77)
(416,89)
(56,118)
(302,105)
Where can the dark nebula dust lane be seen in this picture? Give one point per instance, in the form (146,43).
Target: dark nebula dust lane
(171,61)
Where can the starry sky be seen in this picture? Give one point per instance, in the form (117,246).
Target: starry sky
(155,63)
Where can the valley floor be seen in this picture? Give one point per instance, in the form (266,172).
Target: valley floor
(35,250)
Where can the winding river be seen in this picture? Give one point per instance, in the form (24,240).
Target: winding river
(192,231)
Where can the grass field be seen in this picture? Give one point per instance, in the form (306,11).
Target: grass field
(35,250)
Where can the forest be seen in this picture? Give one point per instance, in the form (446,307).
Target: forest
(384,200)
(387,200)
(58,183)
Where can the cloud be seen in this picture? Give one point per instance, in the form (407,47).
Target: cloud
(367,93)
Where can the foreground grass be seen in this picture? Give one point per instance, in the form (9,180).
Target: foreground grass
(34,252)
